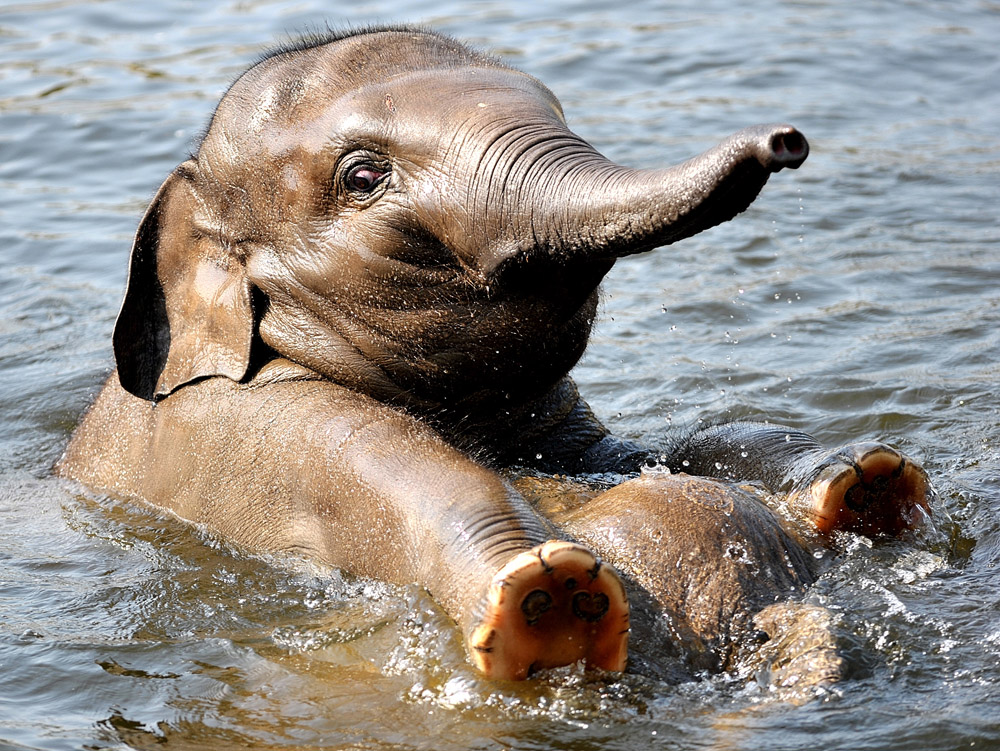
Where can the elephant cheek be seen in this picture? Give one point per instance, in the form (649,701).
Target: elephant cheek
(289,278)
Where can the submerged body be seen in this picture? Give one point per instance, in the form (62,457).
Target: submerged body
(362,297)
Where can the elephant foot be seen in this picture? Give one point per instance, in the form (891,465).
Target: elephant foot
(802,652)
(550,606)
(867,488)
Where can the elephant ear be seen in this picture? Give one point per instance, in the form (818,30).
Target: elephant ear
(187,310)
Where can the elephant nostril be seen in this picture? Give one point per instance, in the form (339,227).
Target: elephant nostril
(789,146)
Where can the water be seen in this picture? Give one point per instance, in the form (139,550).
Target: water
(859,297)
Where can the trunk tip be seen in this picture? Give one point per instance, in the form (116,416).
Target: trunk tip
(789,148)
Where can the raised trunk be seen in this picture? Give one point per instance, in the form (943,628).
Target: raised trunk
(588,208)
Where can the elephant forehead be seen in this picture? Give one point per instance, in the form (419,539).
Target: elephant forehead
(434,105)
(460,88)
(316,76)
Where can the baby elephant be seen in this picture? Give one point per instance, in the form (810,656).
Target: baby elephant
(358,303)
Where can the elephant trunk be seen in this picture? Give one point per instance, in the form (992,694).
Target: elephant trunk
(594,209)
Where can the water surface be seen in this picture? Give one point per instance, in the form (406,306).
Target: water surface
(859,297)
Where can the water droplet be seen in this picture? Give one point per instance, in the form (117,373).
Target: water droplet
(538,456)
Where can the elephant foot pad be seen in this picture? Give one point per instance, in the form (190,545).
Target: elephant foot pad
(870,489)
(551,606)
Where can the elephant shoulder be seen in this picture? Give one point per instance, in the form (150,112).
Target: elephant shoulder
(110,438)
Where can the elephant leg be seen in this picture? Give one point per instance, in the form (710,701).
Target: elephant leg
(524,601)
(314,469)
(867,487)
(802,651)
(552,605)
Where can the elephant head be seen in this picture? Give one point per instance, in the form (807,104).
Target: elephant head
(406,217)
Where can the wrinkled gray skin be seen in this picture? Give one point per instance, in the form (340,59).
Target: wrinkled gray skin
(361,298)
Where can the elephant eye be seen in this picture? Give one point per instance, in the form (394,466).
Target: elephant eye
(364,178)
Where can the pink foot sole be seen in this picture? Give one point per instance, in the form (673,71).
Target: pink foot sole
(550,606)
(867,488)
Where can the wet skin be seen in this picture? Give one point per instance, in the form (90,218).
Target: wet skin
(359,302)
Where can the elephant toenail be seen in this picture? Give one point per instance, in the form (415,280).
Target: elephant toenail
(595,570)
(535,604)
